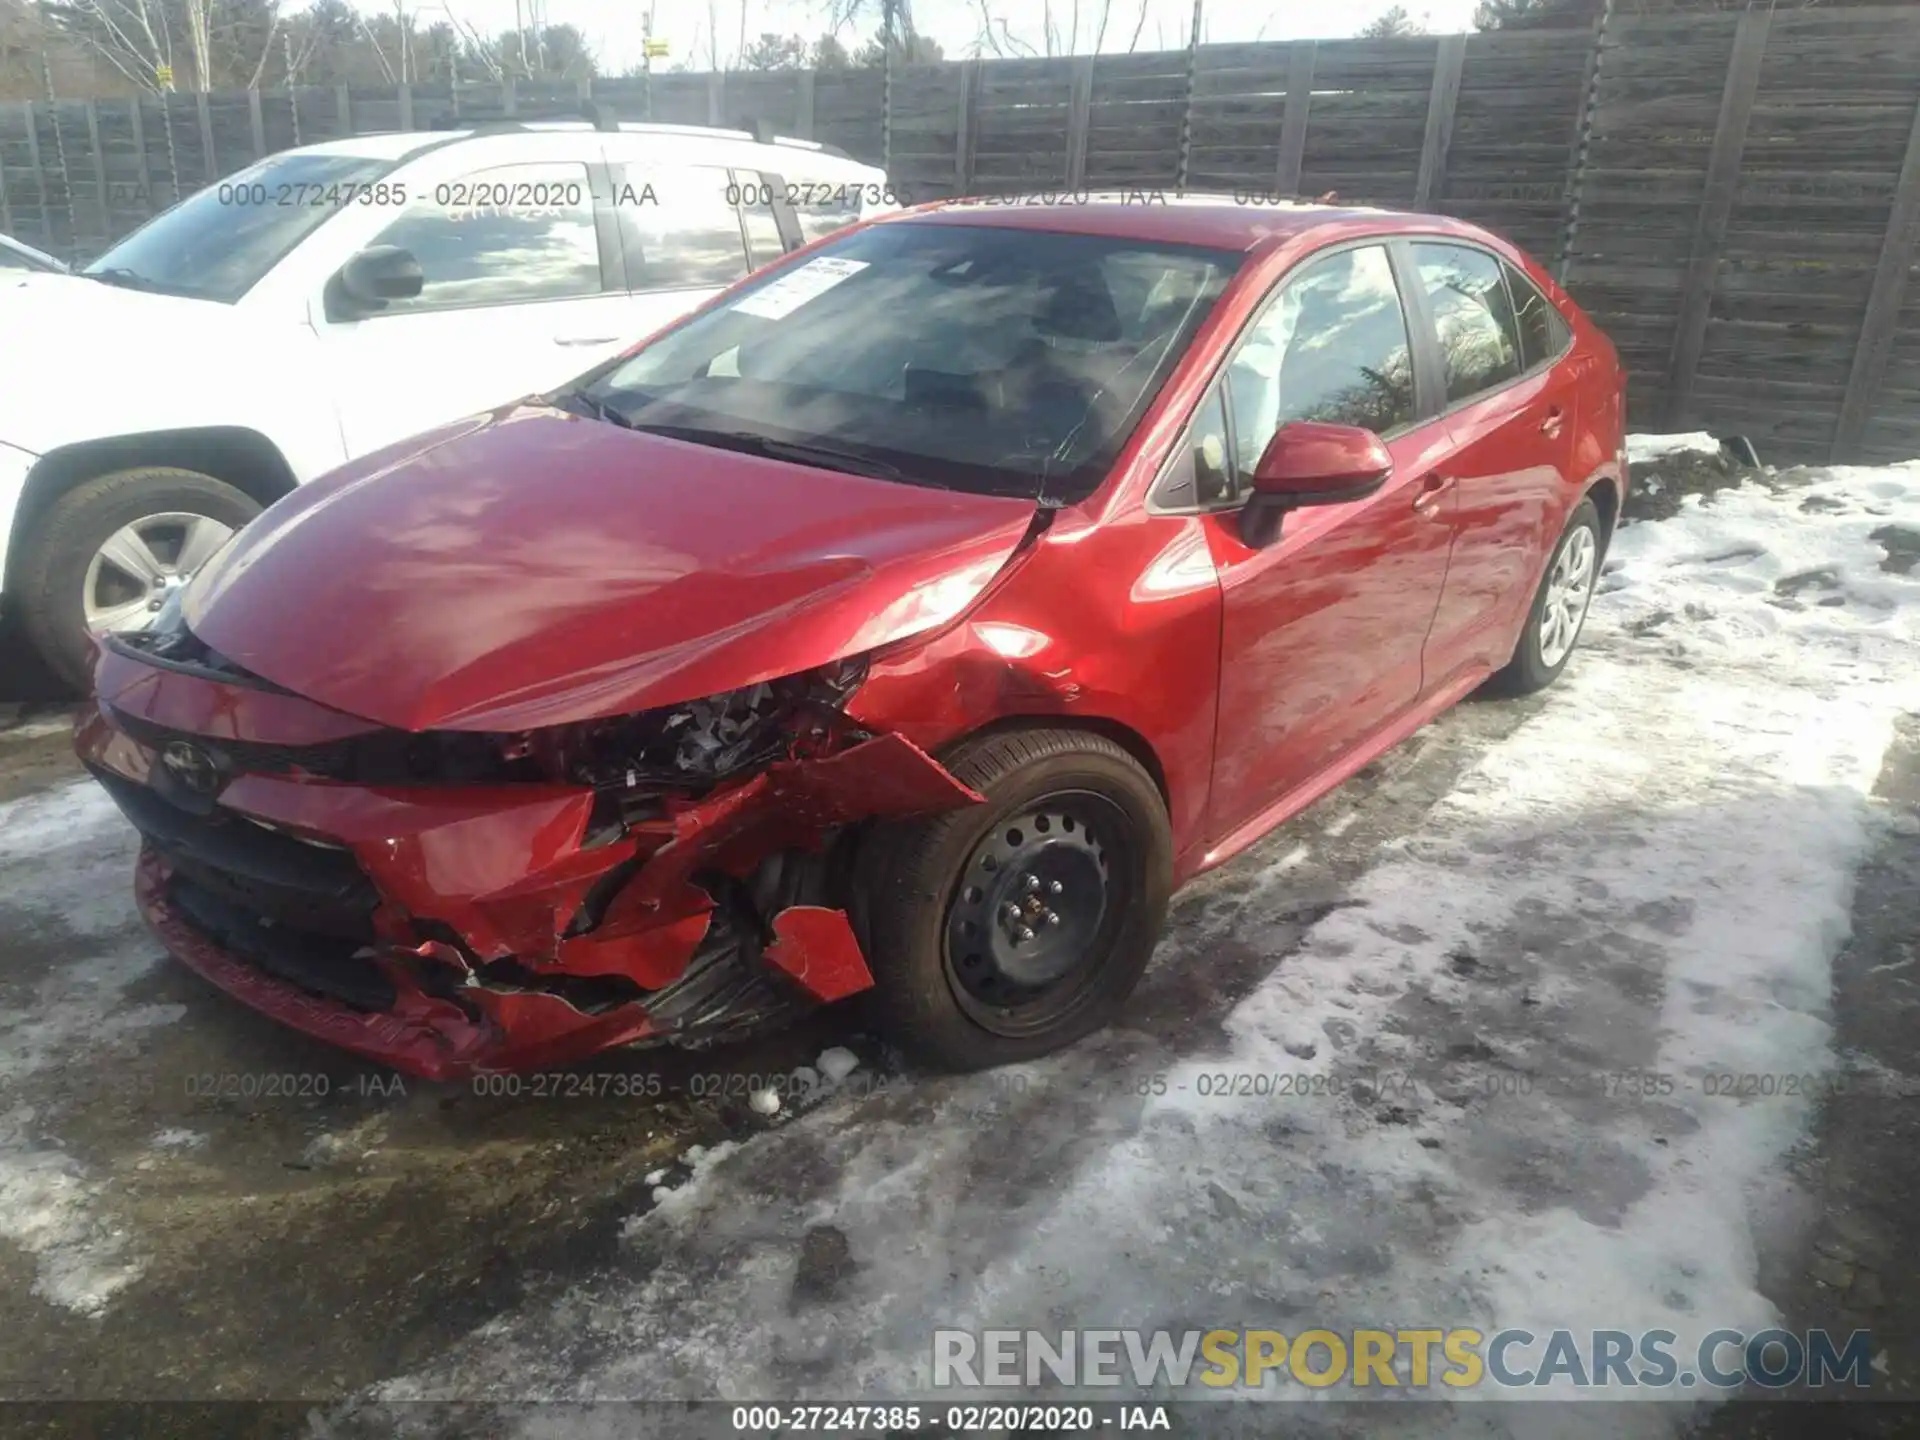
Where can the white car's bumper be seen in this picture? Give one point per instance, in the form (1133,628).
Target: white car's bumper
(14,465)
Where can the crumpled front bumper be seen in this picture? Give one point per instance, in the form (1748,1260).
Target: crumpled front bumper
(444,930)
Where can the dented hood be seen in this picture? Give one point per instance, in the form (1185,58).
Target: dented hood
(534,568)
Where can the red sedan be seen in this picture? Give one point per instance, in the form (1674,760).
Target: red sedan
(909,621)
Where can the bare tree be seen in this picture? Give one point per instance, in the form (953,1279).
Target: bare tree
(130,35)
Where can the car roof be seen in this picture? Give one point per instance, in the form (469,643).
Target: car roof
(1217,221)
(404,145)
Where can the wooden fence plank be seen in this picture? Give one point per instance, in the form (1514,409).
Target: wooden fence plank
(1577,155)
(1897,256)
(406,107)
(803,107)
(1716,207)
(6,205)
(1444,99)
(99,174)
(1079,105)
(39,174)
(143,172)
(209,166)
(343,109)
(1293,124)
(716,98)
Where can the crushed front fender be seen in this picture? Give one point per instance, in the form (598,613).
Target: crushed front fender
(447,929)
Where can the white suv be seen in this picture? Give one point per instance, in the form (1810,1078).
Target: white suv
(336,298)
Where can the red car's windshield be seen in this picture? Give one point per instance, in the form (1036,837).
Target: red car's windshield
(973,357)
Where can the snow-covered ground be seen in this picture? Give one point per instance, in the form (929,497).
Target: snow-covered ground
(1512,1031)
(71,842)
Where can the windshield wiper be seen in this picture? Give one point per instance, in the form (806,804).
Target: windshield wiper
(596,409)
(119,275)
(827,457)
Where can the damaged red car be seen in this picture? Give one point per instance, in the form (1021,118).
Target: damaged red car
(907,623)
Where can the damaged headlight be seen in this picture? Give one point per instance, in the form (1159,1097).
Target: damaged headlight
(701,742)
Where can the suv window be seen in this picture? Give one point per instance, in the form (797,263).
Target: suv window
(756,191)
(823,206)
(218,242)
(499,236)
(1331,346)
(679,228)
(1543,331)
(1479,341)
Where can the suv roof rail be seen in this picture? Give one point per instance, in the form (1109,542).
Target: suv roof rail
(498,122)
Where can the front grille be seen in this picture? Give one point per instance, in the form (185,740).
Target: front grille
(269,874)
(379,757)
(323,965)
(333,760)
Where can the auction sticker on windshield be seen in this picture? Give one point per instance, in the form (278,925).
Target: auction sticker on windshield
(790,292)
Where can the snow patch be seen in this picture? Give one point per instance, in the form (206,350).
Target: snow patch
(55,846)
(837,1063)
(1642,448)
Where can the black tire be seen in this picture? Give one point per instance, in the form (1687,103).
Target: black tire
(54,555)
(1528,671)
(935,1005)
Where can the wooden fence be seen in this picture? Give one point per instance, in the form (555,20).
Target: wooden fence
(1736,197)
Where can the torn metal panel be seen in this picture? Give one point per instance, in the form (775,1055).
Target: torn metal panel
(817,948)
(491,926)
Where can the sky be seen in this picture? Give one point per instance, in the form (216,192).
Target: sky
(614,27)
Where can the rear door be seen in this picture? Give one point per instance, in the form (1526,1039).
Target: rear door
(1322,631)
(1512,419)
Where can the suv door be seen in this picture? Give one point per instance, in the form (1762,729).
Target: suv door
(521,293)
(1511,414)
(1322,630)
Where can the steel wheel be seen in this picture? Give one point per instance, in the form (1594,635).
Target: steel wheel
(131,576)
(1569,591)
(1034,912)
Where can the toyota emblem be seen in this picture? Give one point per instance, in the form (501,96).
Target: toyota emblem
(196,770)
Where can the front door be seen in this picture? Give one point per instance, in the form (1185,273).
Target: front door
(1322,631)
(522,293)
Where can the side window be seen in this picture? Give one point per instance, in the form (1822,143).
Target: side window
(1479,341)
(823,206)
(500,236)
(1199,474)
(1330,347)
(1543,331)
(756,214)
(678,227)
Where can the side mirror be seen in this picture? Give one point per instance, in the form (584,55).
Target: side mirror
(1311,464)
(380,273)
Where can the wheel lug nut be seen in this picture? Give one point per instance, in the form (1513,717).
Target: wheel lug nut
(1056,888)
(1033,882)
(1025,934)
(1052,919)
